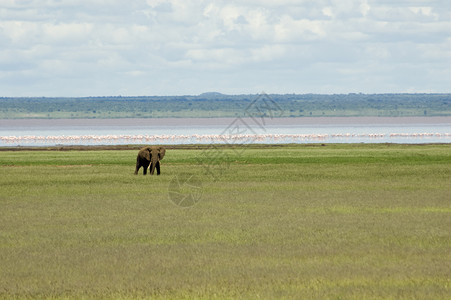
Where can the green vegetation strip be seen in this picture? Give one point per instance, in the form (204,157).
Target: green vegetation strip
(213,105)
(334,221)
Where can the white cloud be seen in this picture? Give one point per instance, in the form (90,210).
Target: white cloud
(65,33)
(268,53)
(364,8)
(289,29)
(106,47)
(327,11)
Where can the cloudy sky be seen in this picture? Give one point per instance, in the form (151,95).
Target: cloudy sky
(178,47)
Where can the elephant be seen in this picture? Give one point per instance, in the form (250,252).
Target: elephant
(150,155)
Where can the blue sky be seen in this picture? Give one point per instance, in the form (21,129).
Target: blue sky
(179,47)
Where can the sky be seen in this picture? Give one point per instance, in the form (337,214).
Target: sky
(77,48)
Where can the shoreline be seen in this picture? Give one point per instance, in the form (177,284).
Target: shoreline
(204,147)
(160,122)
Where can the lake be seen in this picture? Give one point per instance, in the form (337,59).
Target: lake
(50,132)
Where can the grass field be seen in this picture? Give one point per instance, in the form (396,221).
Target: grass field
(306,221)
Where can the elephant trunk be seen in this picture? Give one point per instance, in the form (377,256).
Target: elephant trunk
(153,164)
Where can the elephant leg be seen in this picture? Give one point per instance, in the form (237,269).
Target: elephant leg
(138,165)
(158,167)
(145,169)
(150,169)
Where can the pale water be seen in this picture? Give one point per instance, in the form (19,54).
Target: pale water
(232,131)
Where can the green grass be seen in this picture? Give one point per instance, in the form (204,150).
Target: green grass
(340,222)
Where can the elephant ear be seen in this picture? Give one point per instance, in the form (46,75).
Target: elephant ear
(162,151)
(145,153)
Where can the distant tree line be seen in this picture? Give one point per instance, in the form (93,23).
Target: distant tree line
(220,105)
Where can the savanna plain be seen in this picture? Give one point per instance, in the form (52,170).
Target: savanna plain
(336,221)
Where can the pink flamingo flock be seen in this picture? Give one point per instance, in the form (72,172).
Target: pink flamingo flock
(208,138)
